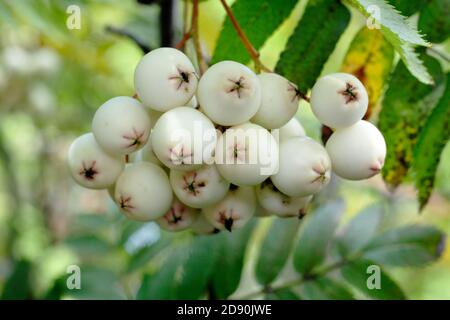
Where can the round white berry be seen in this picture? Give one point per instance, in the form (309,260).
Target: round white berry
(90,166)
(199,188)
(272,200)
(179,217)
(184,139)
(164,79)
(291,129)
(121,125)
(279,101)
(246,154)
(202,226)
(229,93)
(357,152)
(339,100)
(261,212)
(143,191)
(234,211)
(304,167)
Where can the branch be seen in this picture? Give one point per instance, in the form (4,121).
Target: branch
(125,33)
(254,54)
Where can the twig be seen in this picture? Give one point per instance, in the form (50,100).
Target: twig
(195,37)
(254,55)
(440,54)
(125,33)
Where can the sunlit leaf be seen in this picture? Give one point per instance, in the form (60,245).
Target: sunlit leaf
(434,20)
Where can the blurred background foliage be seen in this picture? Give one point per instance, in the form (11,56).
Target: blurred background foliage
(52,79)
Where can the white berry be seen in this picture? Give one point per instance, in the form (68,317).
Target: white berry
(90,166)
(304,167)
(183,139)
(179,217)
(339,100)
(234,211)
(357,152)
(143,191)
(279,101)
(199,188)
(246,154)
(291,129)
(272,200)
(121,125)
(164,79)
(229,93)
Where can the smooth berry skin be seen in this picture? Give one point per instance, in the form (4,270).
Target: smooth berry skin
(143,192)
(199,188)
(121,126)
(291,129)
(229,93)
(246,154)
(339,100)
(184,139)
(90,166)
(304,167)
(179,217)
(357,152)
(234,211)
(279,101)
(165,78)
(275,202)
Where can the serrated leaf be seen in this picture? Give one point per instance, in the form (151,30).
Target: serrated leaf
(398,32)
(413,245)
(312,42)
(184,275)
(402,117)
(275,249)
(434,20)
(360,230)
(357,274)
(315,234)
(408,7)
(258,19)
(231,251)
(370,59)
(325,288)
(432,140)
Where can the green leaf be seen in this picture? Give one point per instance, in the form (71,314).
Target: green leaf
(434,20)
(413,245)
(275,249)
(18,285)
(408,7)
(398,32)
(370,58)
(359,231)
(357,274)
(284,294)
(432,140)
(231,251)
(325,288)
(258,19)
(88,244)
(402,117)
(315,234)
(312,42)
(144,255)
(186,273)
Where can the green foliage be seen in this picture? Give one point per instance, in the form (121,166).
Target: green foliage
(275,249)
(285,294)
(356,273)
(434,20)
(18,285)
(315,235)
(405,108)
(312,42)
(432,140)
(325,288)
(413,245)
(399,33)
(408,7)
(258,19)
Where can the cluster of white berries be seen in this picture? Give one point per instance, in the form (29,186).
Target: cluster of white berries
(210,153)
